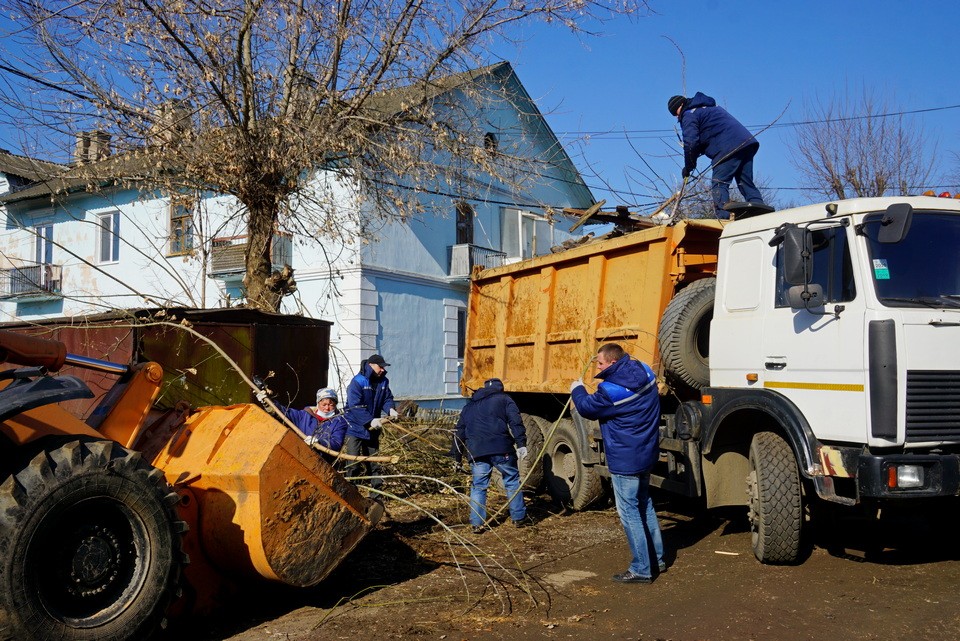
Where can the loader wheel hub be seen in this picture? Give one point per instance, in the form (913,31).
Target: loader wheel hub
(96,562)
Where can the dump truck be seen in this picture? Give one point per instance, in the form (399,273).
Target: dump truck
(807,358)
(108,526)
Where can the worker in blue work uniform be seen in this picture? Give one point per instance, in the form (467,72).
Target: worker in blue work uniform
(709,130)
(368,398)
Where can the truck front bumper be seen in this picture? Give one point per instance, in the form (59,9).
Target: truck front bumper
(892,476)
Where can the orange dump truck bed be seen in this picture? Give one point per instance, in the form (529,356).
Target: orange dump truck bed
(537,323)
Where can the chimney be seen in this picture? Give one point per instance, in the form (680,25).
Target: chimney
(91,147)
(171,120)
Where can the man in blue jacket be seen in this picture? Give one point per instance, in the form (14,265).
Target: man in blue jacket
(488,429)
(368,397)
(627,405)
(709,130)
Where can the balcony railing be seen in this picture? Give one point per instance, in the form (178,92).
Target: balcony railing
(31,281)
(227,254)
(463,258)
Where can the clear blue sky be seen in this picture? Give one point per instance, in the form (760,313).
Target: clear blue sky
(762,60)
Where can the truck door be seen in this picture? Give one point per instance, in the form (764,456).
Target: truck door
(816,357)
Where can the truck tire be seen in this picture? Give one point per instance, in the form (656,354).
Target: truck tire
(90,547)
(531,468)
(569,481)
(684,334)
(774,493)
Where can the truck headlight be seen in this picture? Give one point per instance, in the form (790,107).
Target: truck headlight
(905,476)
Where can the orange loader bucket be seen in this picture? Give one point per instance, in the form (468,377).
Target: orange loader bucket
(258,500)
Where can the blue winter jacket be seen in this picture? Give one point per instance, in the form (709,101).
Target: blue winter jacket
(489,424)
(368,396)
(627,405)
(709,130)
(328,433)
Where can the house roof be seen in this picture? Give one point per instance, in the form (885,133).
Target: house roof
(29,168)
(63,179)
(51,178)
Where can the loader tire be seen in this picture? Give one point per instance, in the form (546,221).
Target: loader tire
(569,481)
(774,494)
(90,545)
(684,334)
(531,468)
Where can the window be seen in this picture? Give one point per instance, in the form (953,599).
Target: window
(490,142)
(525,235)
(832,268)
(109,237)
(461,333)
(181,225)
(464,224)
(44,246)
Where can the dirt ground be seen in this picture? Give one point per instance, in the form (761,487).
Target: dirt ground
(895,577)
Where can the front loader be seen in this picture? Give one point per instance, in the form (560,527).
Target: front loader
(109,525)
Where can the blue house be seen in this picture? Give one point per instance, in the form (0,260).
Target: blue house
(395,286)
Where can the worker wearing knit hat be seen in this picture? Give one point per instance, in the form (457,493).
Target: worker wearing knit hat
(709,130)
(674,104)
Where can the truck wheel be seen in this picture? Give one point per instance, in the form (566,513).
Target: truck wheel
(531,468)
(91,545)
(684,334)
(773,488)
(569,481)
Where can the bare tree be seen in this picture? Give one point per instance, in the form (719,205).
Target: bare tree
(249,97)
(859,146)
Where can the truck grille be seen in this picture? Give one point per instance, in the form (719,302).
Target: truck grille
(933,406)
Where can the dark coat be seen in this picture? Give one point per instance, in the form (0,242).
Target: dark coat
(368,396)
(328,433)
(709,130)
(627,404)
(489,424)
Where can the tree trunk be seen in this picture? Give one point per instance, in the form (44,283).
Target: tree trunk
(260,287)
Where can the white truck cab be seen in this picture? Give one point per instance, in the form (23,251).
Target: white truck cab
(838,326)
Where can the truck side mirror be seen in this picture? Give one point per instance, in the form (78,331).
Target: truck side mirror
(797,252)
(805,297)
(895,223)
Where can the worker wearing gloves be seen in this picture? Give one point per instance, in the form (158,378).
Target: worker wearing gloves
(627,405)
(711,131)
(488,429)
(368,398)
(321,425)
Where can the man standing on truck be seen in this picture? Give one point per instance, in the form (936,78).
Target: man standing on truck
(488,428)
(711,131)
(627,405)
(368,397)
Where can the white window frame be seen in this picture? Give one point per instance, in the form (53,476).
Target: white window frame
(108,238)
(529,244)
(44,244)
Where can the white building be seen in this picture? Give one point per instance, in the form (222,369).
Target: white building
(67,251)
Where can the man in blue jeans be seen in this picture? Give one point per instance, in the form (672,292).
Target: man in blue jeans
(709,130)
(488,429)
(627,405)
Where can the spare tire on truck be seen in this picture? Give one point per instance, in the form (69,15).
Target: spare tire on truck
(91,545)
(684,334)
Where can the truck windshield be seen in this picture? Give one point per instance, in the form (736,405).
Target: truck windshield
(922,270)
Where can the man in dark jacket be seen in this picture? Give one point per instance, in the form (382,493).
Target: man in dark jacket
(709,130)
(368,397)
(488,429)
(627,405)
